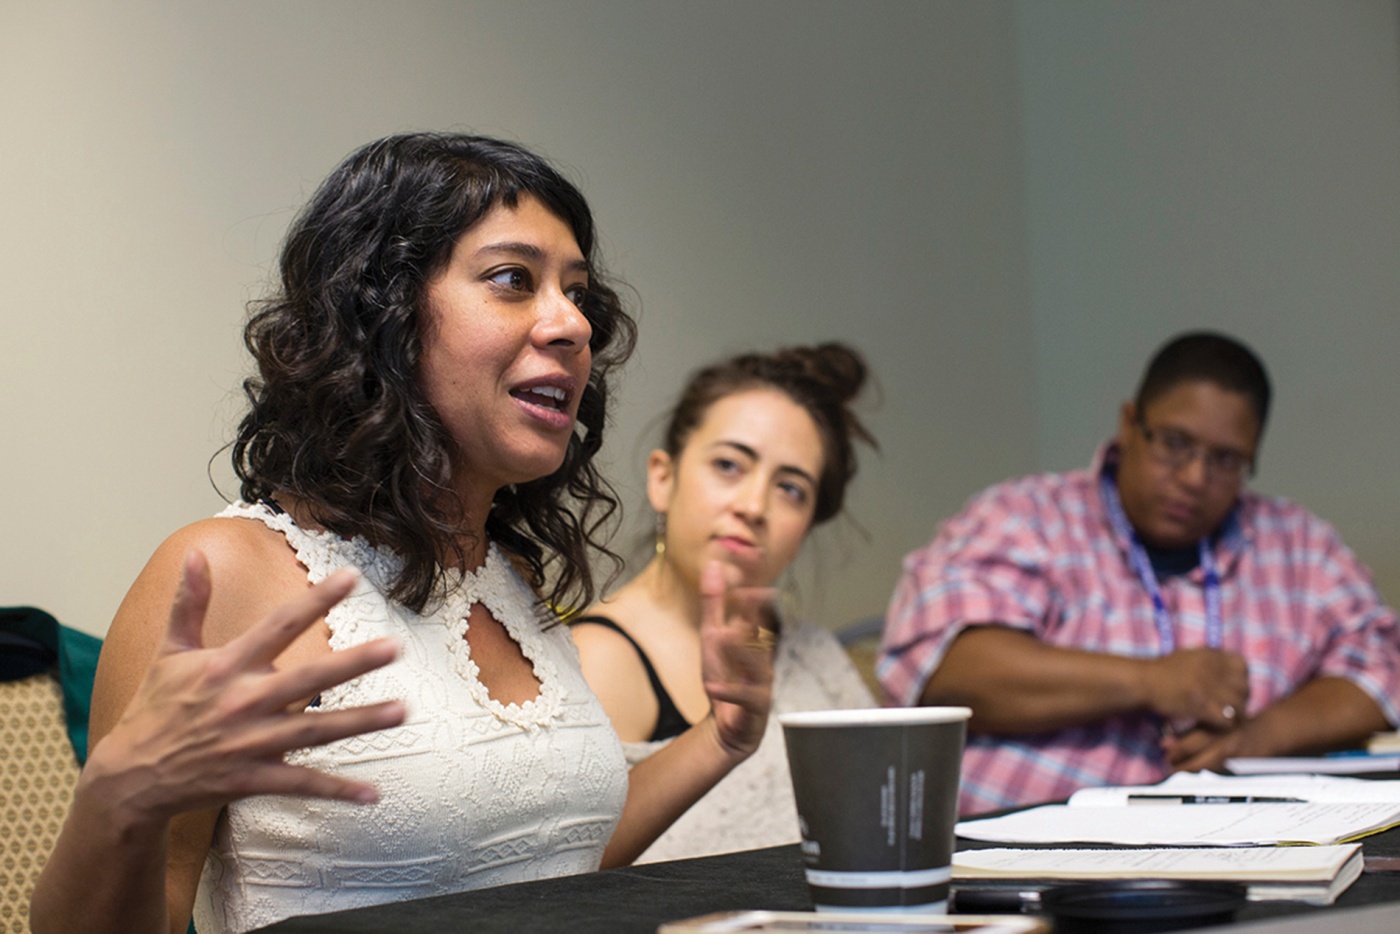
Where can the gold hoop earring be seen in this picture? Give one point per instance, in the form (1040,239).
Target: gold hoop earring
(660,534)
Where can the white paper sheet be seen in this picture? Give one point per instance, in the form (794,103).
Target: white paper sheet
(1328,789)
(1186,824)
(1329,765)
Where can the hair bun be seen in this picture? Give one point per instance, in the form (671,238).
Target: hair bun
(839,368)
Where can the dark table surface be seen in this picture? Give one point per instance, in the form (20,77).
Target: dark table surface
(614,901)
(640,898)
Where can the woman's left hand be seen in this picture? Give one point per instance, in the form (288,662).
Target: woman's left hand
(736,660)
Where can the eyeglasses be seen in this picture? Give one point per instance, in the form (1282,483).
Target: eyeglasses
(1176,449)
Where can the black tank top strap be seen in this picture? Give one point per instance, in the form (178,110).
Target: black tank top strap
(669,720)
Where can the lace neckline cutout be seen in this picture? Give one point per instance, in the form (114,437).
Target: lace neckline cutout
(496,587)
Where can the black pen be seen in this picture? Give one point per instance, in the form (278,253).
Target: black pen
(1212,799)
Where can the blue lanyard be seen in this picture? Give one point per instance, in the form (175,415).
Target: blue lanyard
(1138,560)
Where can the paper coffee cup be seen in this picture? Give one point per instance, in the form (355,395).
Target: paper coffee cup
(877,800)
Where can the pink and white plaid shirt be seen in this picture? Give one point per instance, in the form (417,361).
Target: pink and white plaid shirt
(1039,554)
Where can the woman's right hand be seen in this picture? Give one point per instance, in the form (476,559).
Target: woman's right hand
(199,727)
(737,671)
(208,726)
(736,646)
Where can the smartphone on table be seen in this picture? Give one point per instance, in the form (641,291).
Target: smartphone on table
(841,922)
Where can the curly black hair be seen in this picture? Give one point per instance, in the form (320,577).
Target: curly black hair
(336,417)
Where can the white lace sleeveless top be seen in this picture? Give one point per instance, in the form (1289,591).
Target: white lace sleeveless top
(473,793)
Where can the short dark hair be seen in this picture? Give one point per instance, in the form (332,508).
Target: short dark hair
(336,415)
(1211,357)
(822,379)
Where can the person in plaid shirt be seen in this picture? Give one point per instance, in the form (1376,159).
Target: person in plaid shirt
(1147,615)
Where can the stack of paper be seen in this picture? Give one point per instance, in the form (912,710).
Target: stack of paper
(1219,827)
(1206,809)
(1316,875)
(1321,789)
(1386,742)
(1357,763)
(1187,824)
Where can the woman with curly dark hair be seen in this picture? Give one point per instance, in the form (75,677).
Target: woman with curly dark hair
(349,687)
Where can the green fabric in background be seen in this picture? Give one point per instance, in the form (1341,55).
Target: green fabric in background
(35,641)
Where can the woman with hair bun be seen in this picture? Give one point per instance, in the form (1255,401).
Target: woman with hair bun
(418,490)
(757,451)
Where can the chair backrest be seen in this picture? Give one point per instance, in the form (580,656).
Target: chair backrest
(38,771)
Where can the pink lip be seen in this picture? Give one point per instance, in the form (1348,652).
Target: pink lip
(561,417)
(736,545)
(1179,512)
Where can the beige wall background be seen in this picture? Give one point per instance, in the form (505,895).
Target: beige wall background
(1006,205)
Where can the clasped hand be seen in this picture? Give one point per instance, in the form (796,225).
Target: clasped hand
(1203,693)
(736,644)
(211,725)
(1199,687)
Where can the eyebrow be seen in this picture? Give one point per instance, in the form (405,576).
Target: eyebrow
(529,251)
(753,455)
(1211,448)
